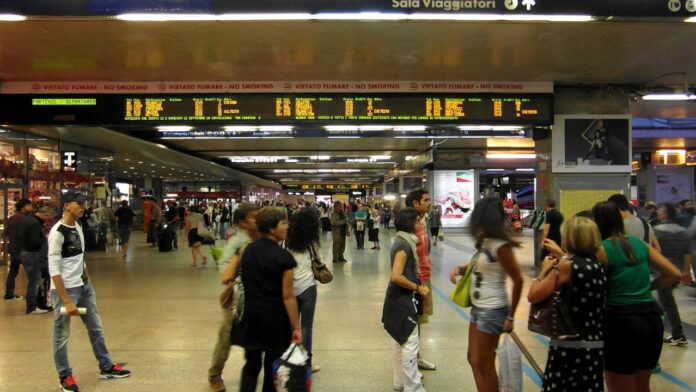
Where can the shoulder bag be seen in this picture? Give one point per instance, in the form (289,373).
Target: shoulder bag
(320,270)
(461,295)
(232,297)
(205,232)
(552,317)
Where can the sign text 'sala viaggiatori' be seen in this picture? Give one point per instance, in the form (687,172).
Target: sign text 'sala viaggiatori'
(444,5)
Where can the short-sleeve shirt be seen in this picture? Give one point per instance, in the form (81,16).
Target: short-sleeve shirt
(674,241)
(634,226)
(488,285)
(267,324)
(628,283)
(554,219)
(125,217)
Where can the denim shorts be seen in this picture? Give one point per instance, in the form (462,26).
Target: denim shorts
(490,321)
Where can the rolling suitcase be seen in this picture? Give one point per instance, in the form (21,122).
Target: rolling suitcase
(165,240)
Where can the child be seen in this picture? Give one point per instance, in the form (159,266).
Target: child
(400,314)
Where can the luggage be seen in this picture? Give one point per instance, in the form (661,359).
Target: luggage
(165,239)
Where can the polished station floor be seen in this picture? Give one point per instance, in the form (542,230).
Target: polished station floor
(161,317)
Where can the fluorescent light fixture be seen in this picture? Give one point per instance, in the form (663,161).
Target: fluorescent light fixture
(669,97)
(524,170)
(691,19)
(410,128)
(243,17)
(409,157)
(320,158)
(12,18)
(344,137)
(510,156)
(389,197)
(547,18)
(380,157)
(154,17)
(501,17)
(374,128)
(275,128)
(495,170)
(490,127)
(239,128)
(161,146)
(360,16)
(341,128)
(291,161)
(174,128)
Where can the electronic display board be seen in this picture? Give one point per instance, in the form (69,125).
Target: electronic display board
(278,108)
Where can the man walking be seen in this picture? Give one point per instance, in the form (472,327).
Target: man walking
(339,231)
(31,238)
(23,207)
(71,289)
(677,248)
(244,219)
(124,216)
(224,221)
(552,228)
(420,200)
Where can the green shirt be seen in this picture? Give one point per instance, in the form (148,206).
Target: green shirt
(627,283)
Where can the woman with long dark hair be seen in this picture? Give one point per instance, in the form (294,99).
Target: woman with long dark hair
(634,329)
(491,314)
(303,242)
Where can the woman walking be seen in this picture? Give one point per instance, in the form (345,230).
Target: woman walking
(271,319)
(491,314)
(634,329)
(575,364)
(373,228)
(303,242)
(193,221)
(400,314)
(361,217)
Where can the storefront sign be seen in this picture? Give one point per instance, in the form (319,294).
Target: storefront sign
(164,87)
(592,144)
(617,8)
(69,161)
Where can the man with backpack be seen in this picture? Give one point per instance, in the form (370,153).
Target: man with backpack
(634,225)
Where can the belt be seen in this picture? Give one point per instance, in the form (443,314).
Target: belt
(577,343)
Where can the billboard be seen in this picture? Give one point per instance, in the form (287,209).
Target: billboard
(455,194)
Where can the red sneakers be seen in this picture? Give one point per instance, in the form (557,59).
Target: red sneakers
(69,384)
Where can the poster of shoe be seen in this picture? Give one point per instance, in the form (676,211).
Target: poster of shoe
(454,193)
(592,144)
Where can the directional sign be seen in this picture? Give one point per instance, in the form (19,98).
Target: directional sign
(69,161)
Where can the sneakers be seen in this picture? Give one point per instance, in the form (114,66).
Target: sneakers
(69,384)
(217,385)
(38,311)
(115,372)
(425,365)
(13,298)
(315,368)
(677,341)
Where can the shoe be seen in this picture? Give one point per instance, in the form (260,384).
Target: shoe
(115,372)
(679,342)
(47,308)
(344,261)
(425,365)
(69,384)
(397,388)
(217,385)
(13,298)
(38,311)
(315,368)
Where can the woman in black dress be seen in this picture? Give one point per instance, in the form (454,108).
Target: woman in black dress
(576,364)
(271,318)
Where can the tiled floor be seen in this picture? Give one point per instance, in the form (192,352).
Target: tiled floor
(161,317)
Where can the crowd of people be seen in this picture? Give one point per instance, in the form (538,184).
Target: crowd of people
(603,264)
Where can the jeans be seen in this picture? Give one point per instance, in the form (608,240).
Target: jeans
(82,297)
(223,230)
(360,239)
(252,368)
(306,303)
(669,306)
(15,262)
(32,265)
(152,230)
(222,347)
(406,373)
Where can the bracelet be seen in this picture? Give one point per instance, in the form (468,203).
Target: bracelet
(510,318)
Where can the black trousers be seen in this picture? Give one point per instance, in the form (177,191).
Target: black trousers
(15,263)
(252,368)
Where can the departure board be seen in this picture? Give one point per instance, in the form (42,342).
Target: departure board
(488,108)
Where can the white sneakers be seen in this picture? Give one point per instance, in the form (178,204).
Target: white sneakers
(425,365)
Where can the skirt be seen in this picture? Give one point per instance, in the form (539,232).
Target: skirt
(194,239)
(325,224)
(373,235)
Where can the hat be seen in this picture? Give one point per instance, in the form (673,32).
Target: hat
(21,203)
(73,195)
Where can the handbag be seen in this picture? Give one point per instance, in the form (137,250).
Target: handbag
(320,270)
(551,317)
(461,295)
(205,232)
(359,226)
(227,297)
(441,234)
(291,372)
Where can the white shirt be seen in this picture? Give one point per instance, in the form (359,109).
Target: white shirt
(488,283)
(70,268)
(304,277)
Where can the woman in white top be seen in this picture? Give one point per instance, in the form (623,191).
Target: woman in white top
(325,218)
(303,242)
(491,314)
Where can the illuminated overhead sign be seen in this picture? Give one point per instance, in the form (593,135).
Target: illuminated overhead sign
(327,8)
(276,111)
(64,102)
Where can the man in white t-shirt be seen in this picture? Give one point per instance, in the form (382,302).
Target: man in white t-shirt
(71,289)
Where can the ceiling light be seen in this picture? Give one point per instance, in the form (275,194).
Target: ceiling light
(360,16)
(174,128)
(495,170)
(410,128)
(380,157)
(498,17)
(160,145)
(524,170)
(280,171)
(344,137)
(132,167)
(669,97)
(127,159)
(239,128)
(12,18)
(490,127)
(289,16)
(275,128)
(510,156)
(369,128)
(291,160)
(341,128)
(320,158)
(691,19)
(165,17)
(140,162)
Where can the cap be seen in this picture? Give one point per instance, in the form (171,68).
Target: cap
(73,195)
(21,203)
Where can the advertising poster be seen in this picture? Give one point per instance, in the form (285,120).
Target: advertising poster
(673,186)
(455,195)
(592,144)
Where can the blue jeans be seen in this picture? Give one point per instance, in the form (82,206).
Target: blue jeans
(306,303)
(15,262)
(32,265)
(82,297)
(152,229)
(223,230)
